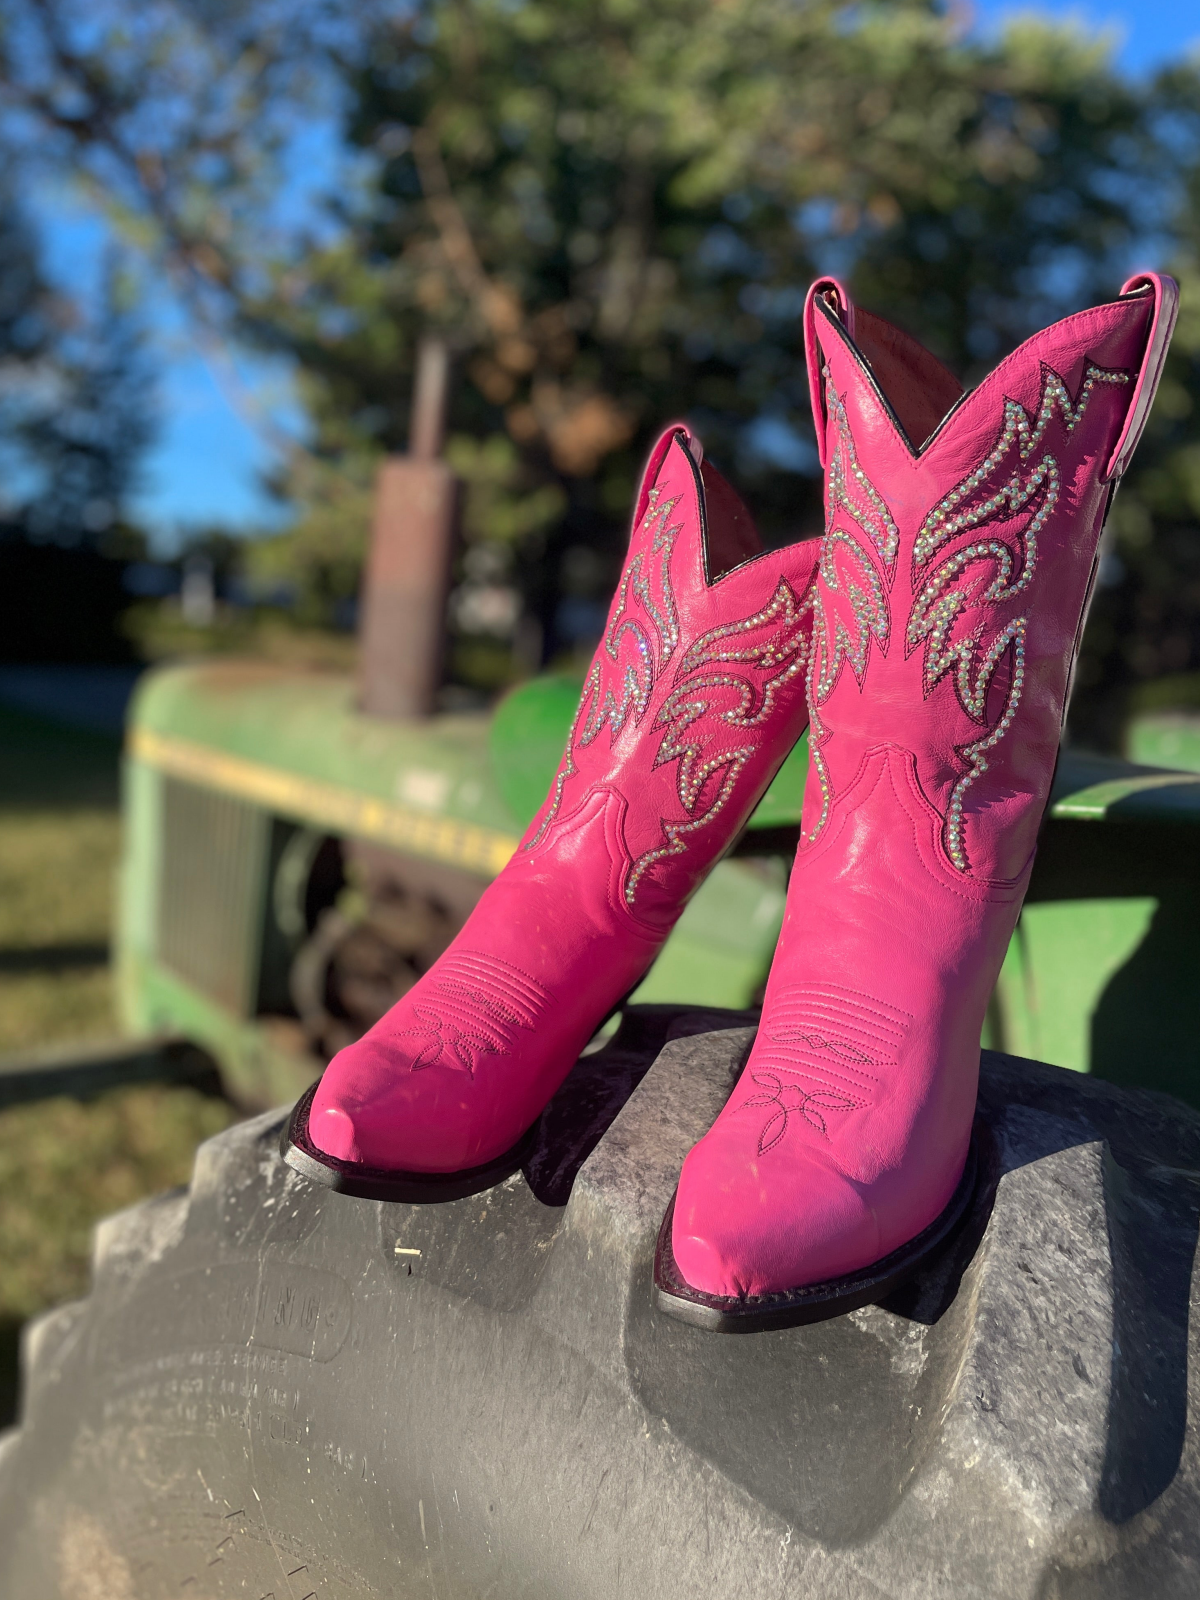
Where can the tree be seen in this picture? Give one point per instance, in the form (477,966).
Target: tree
(74,393)
(27,321)
(86,439)
(611,212)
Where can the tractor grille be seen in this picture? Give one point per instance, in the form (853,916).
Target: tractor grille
(212,888)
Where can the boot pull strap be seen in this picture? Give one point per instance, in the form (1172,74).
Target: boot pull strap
(1162,325)
(658,455)
(835,296)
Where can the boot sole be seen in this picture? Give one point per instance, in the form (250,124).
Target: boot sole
(814,1302)
(384,1183)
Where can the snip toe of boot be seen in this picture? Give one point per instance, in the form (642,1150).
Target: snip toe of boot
(332,1130)
(747,1228)
(370,1107)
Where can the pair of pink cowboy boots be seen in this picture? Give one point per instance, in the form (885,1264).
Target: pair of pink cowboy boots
(928,640)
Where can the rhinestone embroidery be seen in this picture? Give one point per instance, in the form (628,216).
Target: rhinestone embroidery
(781,646)
(614,699)
(676,833)
(938,605)
(566,767)
(936,609)
(599,705)
(878,521)
(637,681)
(944,521)
(816,732)
(867,603)
(783,654)
(786,649)
(864,591)
(1012,637)
(663,542)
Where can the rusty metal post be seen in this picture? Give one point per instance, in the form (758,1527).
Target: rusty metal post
(402,630)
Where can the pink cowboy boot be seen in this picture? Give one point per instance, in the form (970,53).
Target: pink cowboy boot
(694,697)
(954,578)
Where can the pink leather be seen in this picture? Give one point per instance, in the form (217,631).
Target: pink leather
(833,292)
(694,697)
(947,613)
(1162,326)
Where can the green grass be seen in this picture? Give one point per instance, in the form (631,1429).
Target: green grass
(64,1164)
(58,853)
(56,874)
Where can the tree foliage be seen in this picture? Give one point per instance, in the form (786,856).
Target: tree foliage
(611,212)
(74,393)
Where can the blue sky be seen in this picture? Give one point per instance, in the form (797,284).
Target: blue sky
(1150,33)
(220,409)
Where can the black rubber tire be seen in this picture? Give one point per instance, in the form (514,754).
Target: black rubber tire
(222,1414)
(276,1392)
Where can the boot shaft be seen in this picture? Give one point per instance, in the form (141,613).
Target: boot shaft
(960,551)
(696,692)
